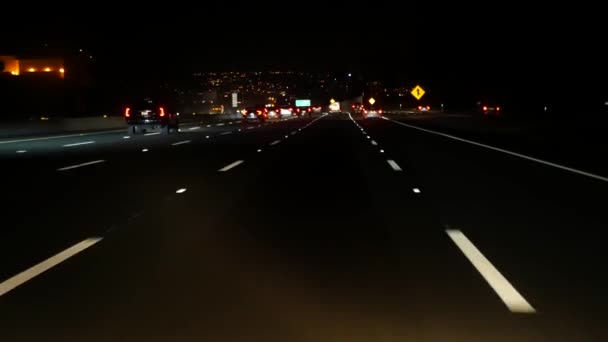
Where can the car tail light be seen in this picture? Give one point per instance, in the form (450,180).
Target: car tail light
(419,107)
(309,109)
(244,112)
(128,112)
(365,111)
(497,108)
(259,112)
(485,108)
(380,111)
(428,107)
(162,111)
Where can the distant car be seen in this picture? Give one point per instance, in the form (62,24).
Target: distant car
(424,108)
(490,109)
(285,111)
(317,109)
(303,110)
(372,113)
(151,114)
(273,113)
(334,107)
(357,108)
(256,113)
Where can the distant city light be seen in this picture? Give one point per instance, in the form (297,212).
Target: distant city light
(47,69)
(31,69)
(61,70)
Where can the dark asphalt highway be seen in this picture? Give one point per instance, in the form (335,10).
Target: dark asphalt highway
(330,228)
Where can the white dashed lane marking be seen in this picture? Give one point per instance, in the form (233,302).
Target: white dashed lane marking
(509,295)
(394,165)
(230,166)
(32,272)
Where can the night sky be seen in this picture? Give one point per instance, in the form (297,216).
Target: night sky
(507,44)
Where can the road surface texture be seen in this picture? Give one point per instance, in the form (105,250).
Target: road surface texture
(329,228)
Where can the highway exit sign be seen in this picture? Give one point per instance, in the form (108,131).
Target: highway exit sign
(418,92)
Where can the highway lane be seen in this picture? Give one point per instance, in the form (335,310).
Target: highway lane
(577,141)
(543,226)
(334,230)
(47,209)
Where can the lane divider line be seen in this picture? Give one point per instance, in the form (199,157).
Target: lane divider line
(153,133)
(193,128)
(275,142)
(514,301)
(81,165)
(230,166)
(394,165)
(225,133)
(181,142)
(32,272)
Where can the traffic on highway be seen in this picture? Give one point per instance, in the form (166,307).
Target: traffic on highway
(371,183)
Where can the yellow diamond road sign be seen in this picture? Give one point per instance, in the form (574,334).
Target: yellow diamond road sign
(332,101)
(418,92)
(372,101)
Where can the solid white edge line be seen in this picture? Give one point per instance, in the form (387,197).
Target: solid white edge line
(181,142)
(394,165)
(514,301)
(230,166)
(32,272)
(78,144)
(81,165)
(523,156)
(61,136)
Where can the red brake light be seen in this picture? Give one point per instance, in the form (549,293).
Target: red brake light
(428,107)
(162,111)
(380,111)
(497,108)
(485,108)
(419,107)
(128,112)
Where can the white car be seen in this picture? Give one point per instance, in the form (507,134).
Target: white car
(372,113)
